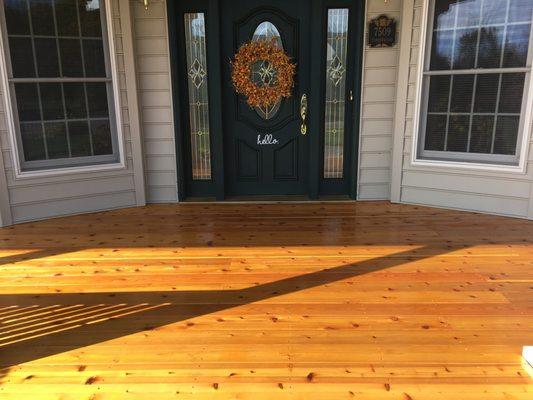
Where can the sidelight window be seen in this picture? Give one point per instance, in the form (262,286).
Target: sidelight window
(195,43)
(60,81)
(335,107)
(475,80)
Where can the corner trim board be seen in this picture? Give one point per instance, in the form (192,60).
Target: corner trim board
(402,88)
(130,70)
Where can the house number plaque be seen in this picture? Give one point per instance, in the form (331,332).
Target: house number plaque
(382,32)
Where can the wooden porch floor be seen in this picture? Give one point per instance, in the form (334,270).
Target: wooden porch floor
(279,301)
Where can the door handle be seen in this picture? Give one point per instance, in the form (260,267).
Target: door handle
(303,114)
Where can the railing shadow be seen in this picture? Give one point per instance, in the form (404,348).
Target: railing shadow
(43,325)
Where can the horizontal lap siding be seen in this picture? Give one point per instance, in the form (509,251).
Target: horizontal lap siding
(377,110)
(44,197)
(155,96)
(483,191)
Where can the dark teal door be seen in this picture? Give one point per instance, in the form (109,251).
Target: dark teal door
(266,152)
(228,149)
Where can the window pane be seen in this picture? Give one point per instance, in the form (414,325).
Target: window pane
(468,13)
(101,134)
(441,54)
(493,12)
(458,133)
(506,135)
(486,93)
(481,137)
(463,86)
(464,55)
(512,91)
(22,62)
(80,142)
(75,100)
(90,18)
(439,93)
(67,18)
(93,54)
(490,47)
(435,132)
(516,45)
(33,141)
(70,50)
(42,17)
(97,98)
(47,61)
(520,10)
(445,13)
(335,77)
(56,140)
(52,100)
(17,19)
(198,95)
(27,102)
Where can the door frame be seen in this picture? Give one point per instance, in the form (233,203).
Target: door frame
(214,188)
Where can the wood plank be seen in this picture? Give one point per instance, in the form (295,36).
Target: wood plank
(261,301)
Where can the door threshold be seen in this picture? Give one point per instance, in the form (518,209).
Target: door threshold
(270,199)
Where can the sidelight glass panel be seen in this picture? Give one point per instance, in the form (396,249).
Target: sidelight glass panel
(336,53)
(195,40)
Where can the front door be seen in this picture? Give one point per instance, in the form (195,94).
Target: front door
(303,144)
(266,152)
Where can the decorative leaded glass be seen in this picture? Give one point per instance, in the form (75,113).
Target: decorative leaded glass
(264,73)
(336,53)
(195,41)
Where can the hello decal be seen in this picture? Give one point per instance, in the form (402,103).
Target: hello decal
(268,139)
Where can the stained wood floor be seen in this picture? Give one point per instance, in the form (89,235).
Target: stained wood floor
(263,302)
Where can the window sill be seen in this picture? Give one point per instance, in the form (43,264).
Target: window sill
(471,166)
(69,171)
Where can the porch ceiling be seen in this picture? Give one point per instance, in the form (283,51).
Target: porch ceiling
(262,301)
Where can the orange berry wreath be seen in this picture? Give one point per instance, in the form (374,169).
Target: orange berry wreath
(265,59)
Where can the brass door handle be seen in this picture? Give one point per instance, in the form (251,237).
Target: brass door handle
(303,113)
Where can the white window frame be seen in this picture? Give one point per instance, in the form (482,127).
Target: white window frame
(498,163)
(11,118)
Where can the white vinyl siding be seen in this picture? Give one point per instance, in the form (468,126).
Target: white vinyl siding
(155,95)
(378,98)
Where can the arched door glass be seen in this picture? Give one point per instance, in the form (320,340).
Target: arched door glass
(263,73)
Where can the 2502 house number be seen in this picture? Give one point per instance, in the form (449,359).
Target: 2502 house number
(266,140)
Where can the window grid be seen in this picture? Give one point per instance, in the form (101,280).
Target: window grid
(501,70)
(110,154)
